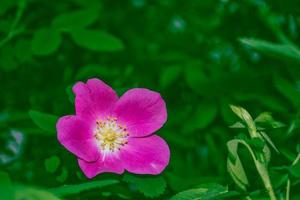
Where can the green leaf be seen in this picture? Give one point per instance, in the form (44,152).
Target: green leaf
(294,169)
(63,176)
(44,121)
(52,164)
(212,192)
(269,140)
(277,50)
(235,166)
(204,115)
(75,20)
(34,194)
(238,125)
(45,41)
(169,75)
(288,90)
(97,40)
(75,189)
(6,188)
(70,94)
(244,115)
(149,186)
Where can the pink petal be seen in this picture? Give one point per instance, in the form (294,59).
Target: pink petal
(94,99)
(142,111)
(77,136)
(149,155)
(109,164)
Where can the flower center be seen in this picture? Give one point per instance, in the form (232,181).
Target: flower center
(110,135)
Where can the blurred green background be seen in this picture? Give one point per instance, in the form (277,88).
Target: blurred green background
(201,55)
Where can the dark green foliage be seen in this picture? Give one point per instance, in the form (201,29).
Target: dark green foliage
(202,56)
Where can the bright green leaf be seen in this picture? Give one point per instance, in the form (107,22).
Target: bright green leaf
(97,40)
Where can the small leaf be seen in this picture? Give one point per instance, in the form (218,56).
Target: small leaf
(212,192)
(75,189)
(97,40)
(269,140)
(149,186)
(34,194)
(266,118)
(45,41)
(204,115)
(294,169)
(277,50)
(44,121)
(52,164)
(237,125)
(63,176)
(75,20)
(169,76)
(244,115)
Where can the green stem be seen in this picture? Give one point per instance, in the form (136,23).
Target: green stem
(288,186)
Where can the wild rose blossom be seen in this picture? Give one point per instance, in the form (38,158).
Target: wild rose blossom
(112,134)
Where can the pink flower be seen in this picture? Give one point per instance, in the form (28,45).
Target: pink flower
(111,134)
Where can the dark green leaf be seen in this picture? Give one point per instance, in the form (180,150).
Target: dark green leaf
(97,40)
(149,186)
(44,121)
(6,187)
(52,164)
(45,41)
(204,193)
(278,50)
(75,20)
(75,189)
